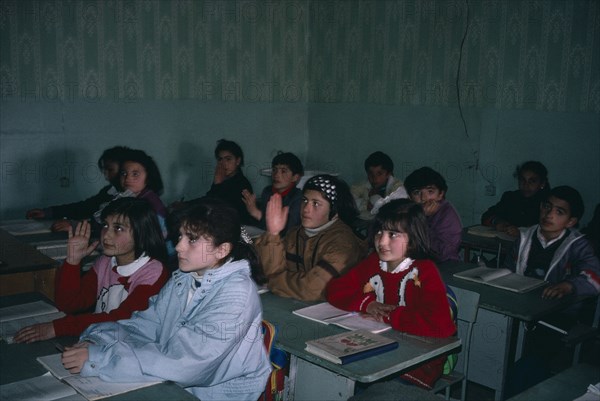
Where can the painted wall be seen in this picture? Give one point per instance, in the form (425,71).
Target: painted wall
(41,143)
(329,80)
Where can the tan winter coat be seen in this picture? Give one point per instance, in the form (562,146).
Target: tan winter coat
(300,267)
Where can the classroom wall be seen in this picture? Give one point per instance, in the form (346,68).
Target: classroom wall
(528,89)
(329,80)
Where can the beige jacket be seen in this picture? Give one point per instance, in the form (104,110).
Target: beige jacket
(299,266)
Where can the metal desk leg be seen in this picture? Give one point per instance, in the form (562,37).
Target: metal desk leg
(312,382)
(520,341)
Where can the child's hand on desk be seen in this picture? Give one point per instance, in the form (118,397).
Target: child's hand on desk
(35,214)
(558,290)
(60,225)
(380,311)
(78,246)
(507,228)
(36,332)
(74,357)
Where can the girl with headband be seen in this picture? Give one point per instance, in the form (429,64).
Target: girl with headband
(301,263)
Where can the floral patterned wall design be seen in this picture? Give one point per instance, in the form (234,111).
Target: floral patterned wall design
(538,54)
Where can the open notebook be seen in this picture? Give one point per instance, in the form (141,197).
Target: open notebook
(329,314)
(501,278)
(92,388)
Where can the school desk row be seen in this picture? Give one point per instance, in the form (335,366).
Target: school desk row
(311,378)
(497,340)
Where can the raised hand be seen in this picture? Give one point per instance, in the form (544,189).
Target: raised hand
(219,174)
(276,215)
(249,200)
(79,245)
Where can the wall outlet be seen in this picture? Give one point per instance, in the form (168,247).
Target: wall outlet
(490,190)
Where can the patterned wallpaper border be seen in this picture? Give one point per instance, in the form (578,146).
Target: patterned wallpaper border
(540,55)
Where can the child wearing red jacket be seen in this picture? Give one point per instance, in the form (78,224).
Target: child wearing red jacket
(120,282)
(399,284)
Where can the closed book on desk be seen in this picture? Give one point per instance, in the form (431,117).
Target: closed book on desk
(350,346)
(329,314)
(501,278)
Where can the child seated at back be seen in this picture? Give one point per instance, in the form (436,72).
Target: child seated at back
(120,282)
(520,208)
(229,180)
(427,187)
(286,170)
(399,284)
(380,183)
(202,331)
(109,164)
(555,251)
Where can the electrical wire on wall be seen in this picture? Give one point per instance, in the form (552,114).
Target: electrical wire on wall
(460,110)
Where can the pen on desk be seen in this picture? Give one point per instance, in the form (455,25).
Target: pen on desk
(59,346)
(551,326)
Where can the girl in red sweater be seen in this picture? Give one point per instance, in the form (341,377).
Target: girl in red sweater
(120,282)
(399,284)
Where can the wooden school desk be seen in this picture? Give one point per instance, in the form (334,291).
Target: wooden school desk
(18,362)
(23,268)
(498,335)
(472,242)
(313,378)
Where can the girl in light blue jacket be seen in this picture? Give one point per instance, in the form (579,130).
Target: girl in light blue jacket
(202,331)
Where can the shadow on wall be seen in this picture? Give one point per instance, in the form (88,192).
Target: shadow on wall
(50,178)
(190,174)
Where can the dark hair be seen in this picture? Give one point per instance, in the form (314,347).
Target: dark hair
(404,215)
(379,159)
(147,234)
(230,146)
(153,178)
(535,167)
(423,177)
(220,222)
(290,160)
(115,153)
(571,196)
(337,193)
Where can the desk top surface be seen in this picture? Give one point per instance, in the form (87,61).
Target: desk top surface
(18,256)
(529,306)
(18,362)
(294,331)
(485,242)
(566,385)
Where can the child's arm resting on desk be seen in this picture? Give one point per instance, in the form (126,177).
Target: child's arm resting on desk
(191,350)
(347,292)
(585,272)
